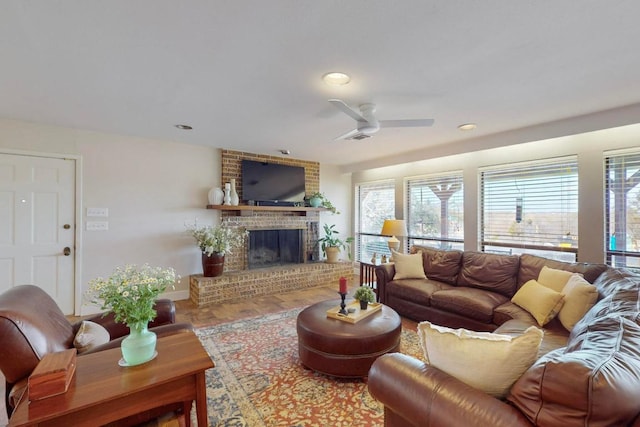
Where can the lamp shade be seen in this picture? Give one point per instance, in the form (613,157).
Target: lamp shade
(394,227)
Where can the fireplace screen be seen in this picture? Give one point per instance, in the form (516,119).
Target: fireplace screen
(268,248)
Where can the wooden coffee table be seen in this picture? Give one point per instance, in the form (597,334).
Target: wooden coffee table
(342,349)
(102,392)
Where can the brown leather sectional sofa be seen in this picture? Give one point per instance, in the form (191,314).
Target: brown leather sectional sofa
(589,377)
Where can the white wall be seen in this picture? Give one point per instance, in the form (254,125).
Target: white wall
(336,186)
(589,147)
(150,187)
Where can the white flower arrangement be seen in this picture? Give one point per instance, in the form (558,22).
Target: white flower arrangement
(219,239)
(130,292)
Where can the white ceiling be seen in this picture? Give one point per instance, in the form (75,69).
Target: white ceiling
(246,74)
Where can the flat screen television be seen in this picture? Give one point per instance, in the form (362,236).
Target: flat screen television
(272,184)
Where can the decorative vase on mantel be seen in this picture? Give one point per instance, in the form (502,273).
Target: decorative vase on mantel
(234,199)
(212,265)
(139,346)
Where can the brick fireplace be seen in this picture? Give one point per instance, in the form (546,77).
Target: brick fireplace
(238,281)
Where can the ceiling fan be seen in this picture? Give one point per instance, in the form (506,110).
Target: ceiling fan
(367,124)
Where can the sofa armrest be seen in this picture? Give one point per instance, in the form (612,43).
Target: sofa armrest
(384,274)
(165,315)
(424,395)
(160,331)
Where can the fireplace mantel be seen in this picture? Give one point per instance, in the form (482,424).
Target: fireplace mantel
(247,209)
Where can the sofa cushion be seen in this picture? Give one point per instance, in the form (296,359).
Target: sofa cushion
(440,265)
(592,381)
(418,291)
(509,311)
(408,266)
(543,303)
(89,336)
(579,297)
(487,361)
(493,272)
(473,303)
(554,278)
(530,266)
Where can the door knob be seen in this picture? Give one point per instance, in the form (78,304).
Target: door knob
(67,251)
(66,226)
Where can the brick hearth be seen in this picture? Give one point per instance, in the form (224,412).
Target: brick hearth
(236,285)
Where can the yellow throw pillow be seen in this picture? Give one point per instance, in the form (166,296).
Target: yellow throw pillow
(408,266)
(554,278)
(579,297)
(90,335)
(484,360)
(540,301)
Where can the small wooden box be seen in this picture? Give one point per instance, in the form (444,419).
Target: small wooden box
(52,375)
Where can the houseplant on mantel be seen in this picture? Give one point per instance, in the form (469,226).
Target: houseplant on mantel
(130,293)
(215,242)
(318,199)
(331,244)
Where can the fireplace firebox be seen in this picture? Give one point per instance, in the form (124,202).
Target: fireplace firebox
(269,248)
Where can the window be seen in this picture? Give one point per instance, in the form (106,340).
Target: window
(435,211)
(531,207)
(622,209)
(375,202)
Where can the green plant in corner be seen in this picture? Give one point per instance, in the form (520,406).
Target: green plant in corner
(331,239)
(364,293)
(318,199)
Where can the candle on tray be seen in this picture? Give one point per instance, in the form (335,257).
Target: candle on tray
(343,285)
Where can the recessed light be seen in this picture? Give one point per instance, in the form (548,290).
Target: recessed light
(336,78)
(184,127)
(467,126)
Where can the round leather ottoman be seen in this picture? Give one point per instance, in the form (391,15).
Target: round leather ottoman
(344,349)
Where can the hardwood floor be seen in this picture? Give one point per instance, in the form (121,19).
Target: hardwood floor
(215,314)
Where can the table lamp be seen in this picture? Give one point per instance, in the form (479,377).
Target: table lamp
(394,228)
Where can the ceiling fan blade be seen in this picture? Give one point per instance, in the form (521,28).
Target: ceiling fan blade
(342,106)
(348,135)
(406,123)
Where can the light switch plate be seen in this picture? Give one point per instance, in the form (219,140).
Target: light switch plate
(97,225)
(97,211)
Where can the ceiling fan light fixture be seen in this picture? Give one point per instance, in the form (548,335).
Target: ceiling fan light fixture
(184,127)
(335,78)
(467,126)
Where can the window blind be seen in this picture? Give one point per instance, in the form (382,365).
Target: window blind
(435,210)
(622,209)
(529,207)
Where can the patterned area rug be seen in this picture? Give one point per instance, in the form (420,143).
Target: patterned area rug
(258,380)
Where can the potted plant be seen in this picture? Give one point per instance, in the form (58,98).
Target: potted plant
(331,244)
(365,295)
(215,242)
(130,293)
(318,199)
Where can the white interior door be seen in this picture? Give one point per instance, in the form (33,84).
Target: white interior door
(37,225)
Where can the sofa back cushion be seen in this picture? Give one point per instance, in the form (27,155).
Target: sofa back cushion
(493,272)
(530,266)
(440,265)
(595,380)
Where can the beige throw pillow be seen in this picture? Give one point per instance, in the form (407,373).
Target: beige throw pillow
(90,335)
(554,278)
(540,301)
(487,361)
(408,266)
(579,297)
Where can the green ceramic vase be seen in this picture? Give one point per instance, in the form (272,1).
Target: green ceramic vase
(139,346)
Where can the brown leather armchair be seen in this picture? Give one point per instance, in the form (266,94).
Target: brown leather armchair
(32,325)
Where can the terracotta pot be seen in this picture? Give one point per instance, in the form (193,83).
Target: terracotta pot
(333,253)
(212,266)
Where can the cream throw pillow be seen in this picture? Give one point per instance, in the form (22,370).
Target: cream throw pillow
(487,361)
(554,278)
(408,266)
(540,301)
(579,297)
(90,335)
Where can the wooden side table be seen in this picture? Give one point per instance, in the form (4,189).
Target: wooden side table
(102,392)
(368,277)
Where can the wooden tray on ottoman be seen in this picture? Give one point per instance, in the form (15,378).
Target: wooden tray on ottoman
(357,315)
